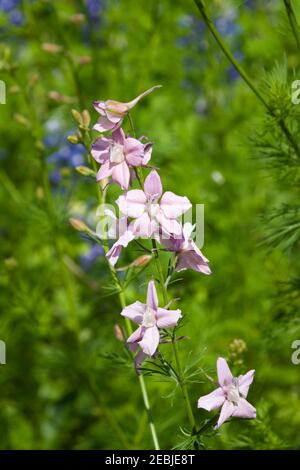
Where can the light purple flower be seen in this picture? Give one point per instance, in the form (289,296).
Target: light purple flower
(152,209)
(125,236)
(150,318)
(188,254)
(230,395)
(117,155)
(113,112)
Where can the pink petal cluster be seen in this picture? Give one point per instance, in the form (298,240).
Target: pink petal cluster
(150,318)
(188,254)
(152,210)
(113,112)
(230,395)
(117,154)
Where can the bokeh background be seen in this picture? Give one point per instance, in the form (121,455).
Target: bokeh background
(67,383)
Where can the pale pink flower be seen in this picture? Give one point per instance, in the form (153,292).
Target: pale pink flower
(150,318)
(230,395)
(113,112)
(125,236)
(188,254)
(152,209)
(117,154)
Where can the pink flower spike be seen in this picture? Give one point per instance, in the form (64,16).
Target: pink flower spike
(113,112)
(148,210)
(150,318)
(231,395)
(118,155)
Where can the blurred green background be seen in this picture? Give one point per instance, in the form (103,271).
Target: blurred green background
(66,383)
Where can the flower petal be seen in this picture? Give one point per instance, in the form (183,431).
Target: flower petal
(104,125)
(150,341)
(244,409)
(244,382)
(152,299)
(114,253)
(143,227)
(105,171)
(118,136)
(226,412)
(121,174)
(167,318)
(136,336)
(212,400)
(134,312)
(147,153)
(168,226)
(153,186)
(132,203)
(134,151)
(224,374)
(192,260)
(174,206)
(100,150)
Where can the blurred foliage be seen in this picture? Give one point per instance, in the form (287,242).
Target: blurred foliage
(68,382)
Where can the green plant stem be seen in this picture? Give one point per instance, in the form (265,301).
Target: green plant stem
(293,21)
(181,381)
(281,122)
(122,300)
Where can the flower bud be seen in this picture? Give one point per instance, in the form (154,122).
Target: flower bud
(51,48)
(79,225)
(77,116)
(85,171)
(84,60)
(118,333)
(78,18)
(73,139)
(86,118)
(22,120)
(141,261)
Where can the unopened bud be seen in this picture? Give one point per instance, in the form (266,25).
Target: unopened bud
(51,48)
(141,261)
(73,139)
(84,60)
(78,18)
(79,225)
(59,98)
(118,333)
(39,192)
(86,118)
(77,116)
(85,171)
(22,120)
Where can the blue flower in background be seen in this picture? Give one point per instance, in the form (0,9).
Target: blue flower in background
(94,9)
(88,259)
(10,7)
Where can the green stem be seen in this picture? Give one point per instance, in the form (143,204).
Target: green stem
(122,300)
(293,21)
(282,124)
(181,381)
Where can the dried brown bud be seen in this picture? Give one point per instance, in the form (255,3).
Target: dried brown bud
(141,261)
(118,333)
(79,225)
(78,18)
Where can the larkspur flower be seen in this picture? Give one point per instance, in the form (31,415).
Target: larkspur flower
(230,395)
(188,254)
(113,112)
(125,236)
(153,210)
(150,318)
(117,154)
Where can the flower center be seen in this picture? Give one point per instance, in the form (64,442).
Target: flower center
(116,153)
(149,318)
(152,208)
(233,394)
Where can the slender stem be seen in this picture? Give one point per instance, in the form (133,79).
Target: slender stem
(293,21)
(181,381)
(282,124)
(122,300)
